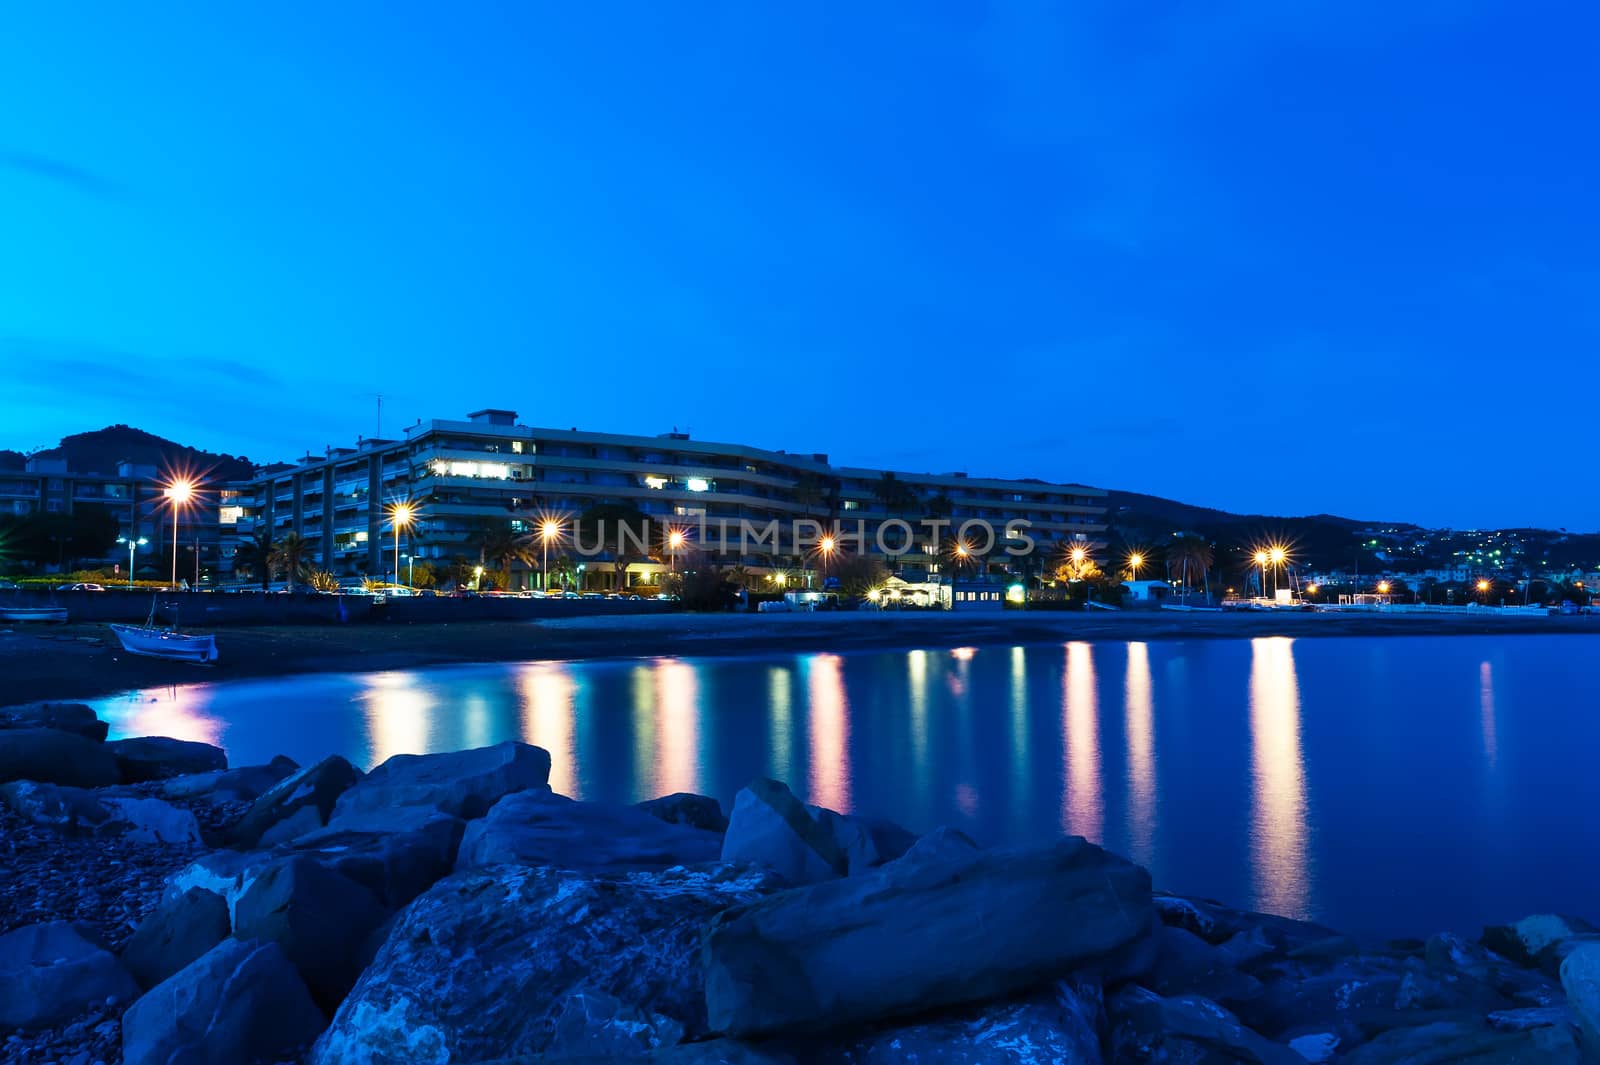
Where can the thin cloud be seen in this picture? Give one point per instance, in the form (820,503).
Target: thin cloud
(60,172)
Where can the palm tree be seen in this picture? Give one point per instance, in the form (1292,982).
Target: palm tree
(895,495)
(254,556)
(501,548)
(290,557)
(616,528)
(1187,550)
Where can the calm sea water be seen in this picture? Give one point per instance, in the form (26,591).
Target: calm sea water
(1385,786)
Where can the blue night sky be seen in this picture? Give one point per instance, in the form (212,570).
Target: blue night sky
(1290,257)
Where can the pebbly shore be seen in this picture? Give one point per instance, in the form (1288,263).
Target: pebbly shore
(159,906)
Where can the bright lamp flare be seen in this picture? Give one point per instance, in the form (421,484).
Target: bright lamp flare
(550,528)
(675,538)
(1079,554)
(1277,555)
(1261,558)
(402,513)
(827,545)
(1383,587)
(180,492)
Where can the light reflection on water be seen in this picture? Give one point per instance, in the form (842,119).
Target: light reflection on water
(1291,776)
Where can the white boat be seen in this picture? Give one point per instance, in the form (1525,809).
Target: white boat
(33,613)
(166,643)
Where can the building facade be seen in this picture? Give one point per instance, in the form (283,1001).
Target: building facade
(730,503)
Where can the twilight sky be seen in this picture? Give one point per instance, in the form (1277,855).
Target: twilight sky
(1289,257)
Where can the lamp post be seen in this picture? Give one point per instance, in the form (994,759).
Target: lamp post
(674,541)
(1278,556)
(827,546)
(1483,592)
(179,492)
(548,530)
(400,515)
(1261,560)
(132,543)
(477,578)
(1135,560)
(1080,555)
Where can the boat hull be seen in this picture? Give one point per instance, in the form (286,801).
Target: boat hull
(160,643)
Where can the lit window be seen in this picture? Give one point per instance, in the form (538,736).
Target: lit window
(655,482)
(361,537)
(516,446)
(698,484)
(229,515)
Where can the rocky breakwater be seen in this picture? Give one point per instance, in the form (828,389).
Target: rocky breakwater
(451,908)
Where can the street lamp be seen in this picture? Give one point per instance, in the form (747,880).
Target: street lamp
(1483,591)
(1383,587)
(1261,560)
(826,545)
(477,578)
(1080,554)
(1135,560)
(132,543)
(549,529)
(674,541)
(1278,555)
(179,492)
(400,515)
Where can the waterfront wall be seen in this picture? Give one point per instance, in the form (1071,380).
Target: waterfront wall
(304,608)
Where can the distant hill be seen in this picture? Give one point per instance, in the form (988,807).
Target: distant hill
(101,450)
(1141,509)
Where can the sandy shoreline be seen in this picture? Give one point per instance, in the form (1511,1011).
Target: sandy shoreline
(82,661)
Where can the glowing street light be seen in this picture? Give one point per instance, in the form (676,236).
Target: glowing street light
(1135,560)
(1261,560)
(400,516)
(1483,591)
(178,493)
(1383,587)
(675,540)
(132,543)
(549,529)
(477,578)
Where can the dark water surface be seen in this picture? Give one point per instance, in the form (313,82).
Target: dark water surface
(1394,785)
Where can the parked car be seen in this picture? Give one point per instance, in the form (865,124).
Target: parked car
(81,586)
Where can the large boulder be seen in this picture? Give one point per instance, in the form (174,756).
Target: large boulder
(239,1002)
(917,935)
(462,783)
(687,808)
(542,828)
(484,963)
(226,874)
(770,827)
(160,757)
(320,918)
(244,784)
(67,717)
(79,811)
(865,841)
(174,934)
(51,756)
(1060,1026)
(1580,978)
(396,854)
(1468,1041)
(1543,940)
(1148,1027)
(309,794)
(50,973)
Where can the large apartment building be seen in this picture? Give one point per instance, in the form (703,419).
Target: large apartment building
(489,470)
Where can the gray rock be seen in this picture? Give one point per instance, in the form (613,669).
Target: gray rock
(396,854)
(1148,1027)
(943,841)
(50,973)
(1185,964)
(153,821)
(1297,996)
(305,820)
(914,936)
(79,811)
(1528,940)
(67,717)
(542,828)
(1216,924)
(866,842)
(175,934)
(238,1002)
(598,1024)
(687,808)
(482,964)
(461,783)
(227,874)
(1533,1017)
(317,786)
(1580,978)
(771,827)
(160,757)
(244,784)
(1057,1028)
(51,756)
(1467,1040)
(320,918)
